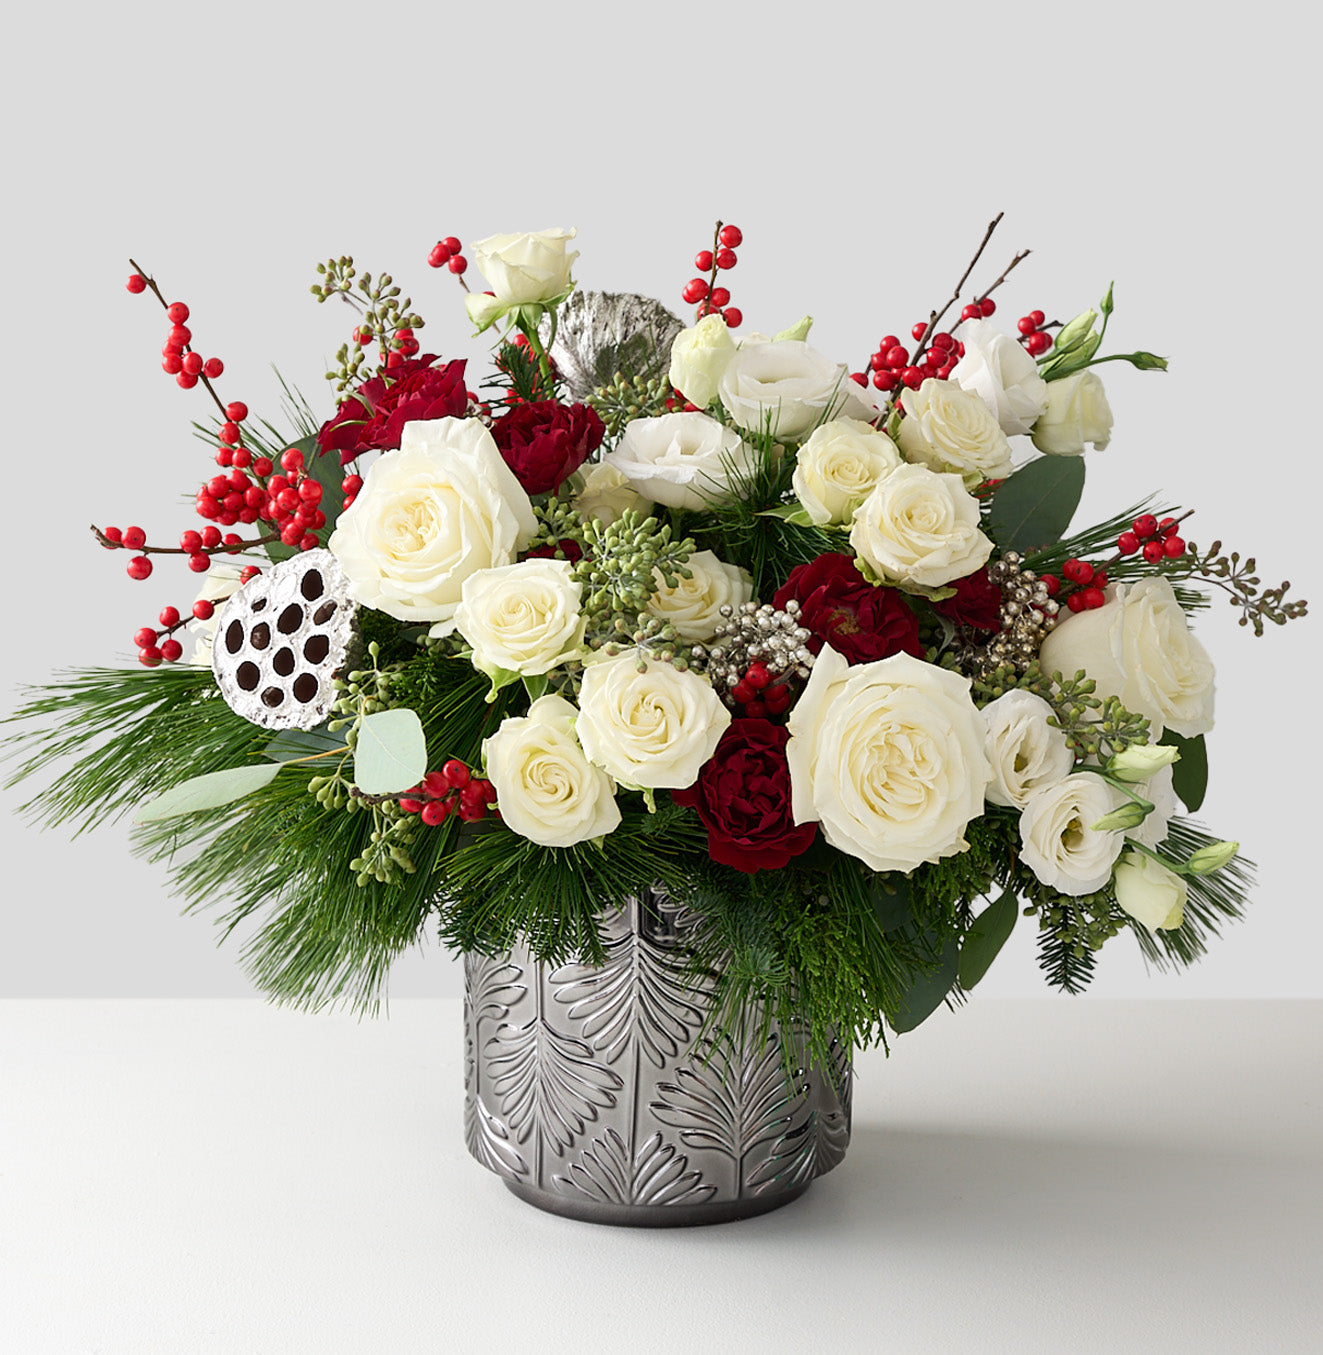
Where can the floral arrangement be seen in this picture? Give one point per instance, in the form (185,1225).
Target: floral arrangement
(815,651)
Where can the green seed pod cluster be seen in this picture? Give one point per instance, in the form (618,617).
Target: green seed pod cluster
(619,571)
(627,398)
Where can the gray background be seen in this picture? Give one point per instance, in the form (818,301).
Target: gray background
(862,150)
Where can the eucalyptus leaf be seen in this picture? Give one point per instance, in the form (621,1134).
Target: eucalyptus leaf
(892,901)
(1033,507)
(208,791)
(1189,775)
(985,938)
(391,753)
(300,743)
(926,994)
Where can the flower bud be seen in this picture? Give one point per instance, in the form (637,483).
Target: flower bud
(1128,815)
(1211,858)
(1074,332)
(1141,761)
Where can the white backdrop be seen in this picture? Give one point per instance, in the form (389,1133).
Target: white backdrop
(862,149)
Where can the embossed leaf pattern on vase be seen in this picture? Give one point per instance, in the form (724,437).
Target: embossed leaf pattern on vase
(658,1174)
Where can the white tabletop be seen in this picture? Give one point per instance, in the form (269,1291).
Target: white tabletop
(1024,1176)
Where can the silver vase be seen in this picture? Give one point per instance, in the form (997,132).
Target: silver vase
(591,1093)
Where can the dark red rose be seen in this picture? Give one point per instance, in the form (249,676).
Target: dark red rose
(544,442)
(976,603)
(859,620)
(374,418)
(742,795)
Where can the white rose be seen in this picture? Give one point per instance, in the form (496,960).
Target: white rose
(839,467)
(522,618)
(682,460)
(1149,892)
(526,269)
(948,429)
(920,527)
(606,494)
(699,356)
(652,729)
(222,580)
(1001,374)
(441,508)
(1138,647)
(694,605)
(1058,841)
(1027,753)
(787,388)
(1077,412)
(888,756)
(546,789)
(1160,792)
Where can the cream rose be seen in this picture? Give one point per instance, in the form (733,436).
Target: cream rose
(606,494)
(546,789)
(699,356)
(441,508)
(839,466)
(1058,841)
(1138,647)
(694,605)
(1001,374)
(522,618)
(1077,412)
(1149,892)
(682,460)
(888,757)
(920,527)
(650,729)
(948,429)
(529,268)
(1027,752)
(786,388)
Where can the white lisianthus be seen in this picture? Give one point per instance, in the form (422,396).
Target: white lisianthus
(787,388)
(651,729)
(1149,892)
(531,268)
(441,508)
(1001,374)
(546,789)
(1058,841)
(948,429)
(1077,412)
(522,618)
(888,757)
(694,605)
(606,494)
(1139,761)
(1160,791)
(839,466)
(682,460)
(1138,647)
(1026,751)
(699,356)
(920,527)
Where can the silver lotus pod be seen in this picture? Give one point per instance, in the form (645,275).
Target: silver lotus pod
(281,639)
(600,334)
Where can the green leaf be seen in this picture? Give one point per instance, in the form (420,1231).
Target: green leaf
(300,743)
(892,901)
(327,472)
(1189,776)
(536,686)
(793,513)
(208,791)
(985,938)
(391,753)
(1032,508)
(927,992)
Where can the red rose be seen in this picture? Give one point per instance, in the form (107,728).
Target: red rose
(742,795)
(544,442)
(859,620)
(374,418)
(976,603)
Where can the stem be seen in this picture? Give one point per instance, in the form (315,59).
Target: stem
(543,362)
(234,548)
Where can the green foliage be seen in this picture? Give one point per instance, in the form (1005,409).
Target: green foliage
(1032,508)
(1190,772)
(987,934)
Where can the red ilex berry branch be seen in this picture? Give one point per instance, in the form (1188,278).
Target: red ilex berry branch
(153,649)
(198,546)
(704,292)
(452,790)
(1084,582)
(446,254)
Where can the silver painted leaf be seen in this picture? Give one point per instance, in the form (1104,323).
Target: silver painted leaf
(602,333)
(658,1175)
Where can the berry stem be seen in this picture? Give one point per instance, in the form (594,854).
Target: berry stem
(234,548)
(188,348)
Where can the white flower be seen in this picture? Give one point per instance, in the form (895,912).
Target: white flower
(652,729)
(441,508)
(1149,892)
(839,467)
(888,757)
(920,527)
(699,356)
(694,605)
(948,429)
(1058,840)
(526,269)
(222,580)
(1160,792)
(546,789)
(606,494)
(1138,647)
(1077,412)
(682,460)
(1001,374)
(1139,761)
(1027,753)
(522,618)
(787,388)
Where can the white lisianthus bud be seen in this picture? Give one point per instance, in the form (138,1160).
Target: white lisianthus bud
(1141,760)
(1149,892)
(1211,858)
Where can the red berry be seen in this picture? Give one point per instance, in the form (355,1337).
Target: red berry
(149,658)
(1167,526)
(437,258)
(1093,598)
(1076,602)
(720,296)
(887,342)
(755,710)
(758,676)
(187,380)
(694,290)
(134,538)
(1052,584)
(452,245)
(732,236)
(1173,547)
(1077,571)
(262,467)
(987,306)
(734,317)
(943,340)
(1037,317)
(144,638)
(743,693)
(913,377)
(291,459)
(193,364)
(726,258)
(456,773)
(971,312)
(1100,578)
(1025,325)
(172,364)
(777,699)
(457,263)
(897,356)
(139,567)
(1145,525)
(410,805)
(1127,543)
(169,617)
(178,312)
(171,650)
(1154,551)
(113,534)
(180,335)
(703,260)
(242,458)
(1038,343)
(136,283)
(212,368)
(204,609)
(434,812)
(236,411)
(351,484)
(884,381)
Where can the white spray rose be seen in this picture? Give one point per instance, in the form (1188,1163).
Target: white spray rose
(694,605)
(682,460)
(1077,412)
(889,757)
(532,268)
(920,527)
(1027,753)
(606,494)
(546,789)
(948,429)
(522,618)
(787,388)
(441,508)
(839,466)
(699,356)
(1001,374)
(1138,647)
(650,730)
(1149,892)
(1058,841)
